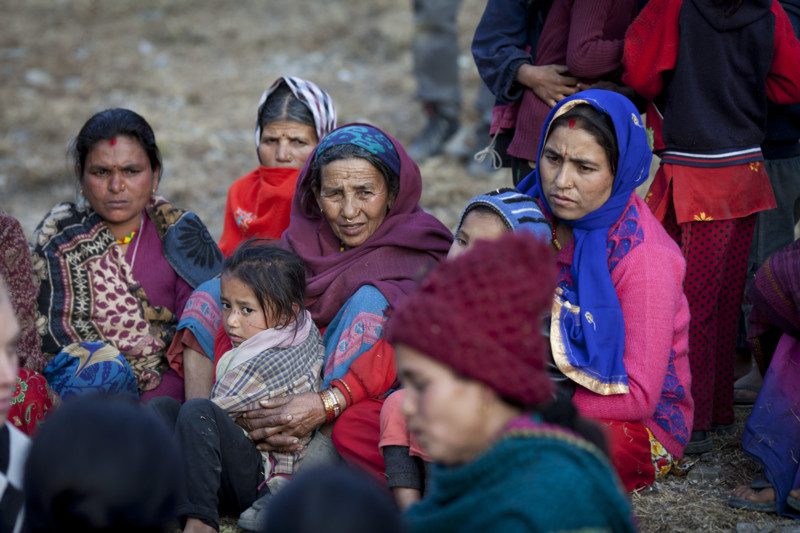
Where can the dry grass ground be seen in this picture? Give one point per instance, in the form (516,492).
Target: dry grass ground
(195,70)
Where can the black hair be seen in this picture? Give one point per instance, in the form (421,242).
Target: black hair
(483,209)
(276,276)
(341,152)
(103,463)
(334,499)
(282,104)
(106,125)
(598,125)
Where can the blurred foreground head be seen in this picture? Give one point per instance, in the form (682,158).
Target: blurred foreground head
(469,347)
(102,463)
(333,499)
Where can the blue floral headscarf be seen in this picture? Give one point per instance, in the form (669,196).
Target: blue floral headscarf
(589,325)
(367,137)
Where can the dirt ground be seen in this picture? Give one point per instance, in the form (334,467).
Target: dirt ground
(195,70)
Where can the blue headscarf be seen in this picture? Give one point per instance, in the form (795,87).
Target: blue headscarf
(367,137)
(588,332)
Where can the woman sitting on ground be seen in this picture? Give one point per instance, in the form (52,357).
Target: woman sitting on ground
(478,399)
(772,433)
(620,318)
(33,398)
(293,115)
(357,224)
(116,269)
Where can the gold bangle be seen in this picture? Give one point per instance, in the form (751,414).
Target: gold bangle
(349,399)
(337,408)
(331,404)
(326,403)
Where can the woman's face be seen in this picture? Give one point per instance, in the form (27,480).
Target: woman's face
(477,226)
(445,412)
(286,144)
(118,182)
(9,332)
(575,172)
(354,198)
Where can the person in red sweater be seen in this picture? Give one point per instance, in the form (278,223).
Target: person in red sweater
(708,69)
(620,318)
(293,116)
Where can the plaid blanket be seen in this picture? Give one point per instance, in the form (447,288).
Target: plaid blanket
(273,372)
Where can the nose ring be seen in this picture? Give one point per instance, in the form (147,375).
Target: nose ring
(124,188)
(348,220)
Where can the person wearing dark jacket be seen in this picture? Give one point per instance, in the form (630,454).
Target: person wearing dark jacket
(708,67)
(775,228)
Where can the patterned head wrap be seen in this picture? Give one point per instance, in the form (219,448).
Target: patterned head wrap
(318,102)
(367,137)
(518,211)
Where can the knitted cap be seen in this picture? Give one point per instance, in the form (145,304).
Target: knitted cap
(518,211)
(480,314)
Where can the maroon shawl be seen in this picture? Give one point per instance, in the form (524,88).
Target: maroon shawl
(17,270)
(405,246)
(775,295)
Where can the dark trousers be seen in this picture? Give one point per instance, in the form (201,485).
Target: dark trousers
(223,466)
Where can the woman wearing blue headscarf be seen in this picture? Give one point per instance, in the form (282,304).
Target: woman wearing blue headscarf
(620,318)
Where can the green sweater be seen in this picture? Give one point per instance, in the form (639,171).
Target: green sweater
(535,478)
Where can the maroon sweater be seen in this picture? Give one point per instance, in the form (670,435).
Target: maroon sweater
(588,37)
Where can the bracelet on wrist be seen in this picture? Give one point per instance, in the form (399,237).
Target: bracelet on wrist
(345,388)
(331,404)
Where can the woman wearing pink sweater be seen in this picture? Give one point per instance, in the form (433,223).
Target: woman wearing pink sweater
(620,319)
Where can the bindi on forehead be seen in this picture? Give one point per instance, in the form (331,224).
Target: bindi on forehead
(572,123)
(112,141)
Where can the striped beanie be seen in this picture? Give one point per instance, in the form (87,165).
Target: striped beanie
(318,102)
(518,211)
(480,314)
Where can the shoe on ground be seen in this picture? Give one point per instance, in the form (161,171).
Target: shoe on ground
(745,394)
(749,505)
(254,517)
(433,138)
(699,443)
(793,502)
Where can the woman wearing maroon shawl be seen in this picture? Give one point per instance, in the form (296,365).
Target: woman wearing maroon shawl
(357,224)
(32,397)
(772,433)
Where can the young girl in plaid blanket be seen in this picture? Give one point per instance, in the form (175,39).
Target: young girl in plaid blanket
(277,350)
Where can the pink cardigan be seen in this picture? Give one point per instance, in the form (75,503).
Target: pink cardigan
(649,284)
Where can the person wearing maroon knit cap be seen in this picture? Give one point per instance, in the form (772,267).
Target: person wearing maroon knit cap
(480,402)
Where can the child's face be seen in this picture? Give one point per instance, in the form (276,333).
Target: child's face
(242,316)
(477,226)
